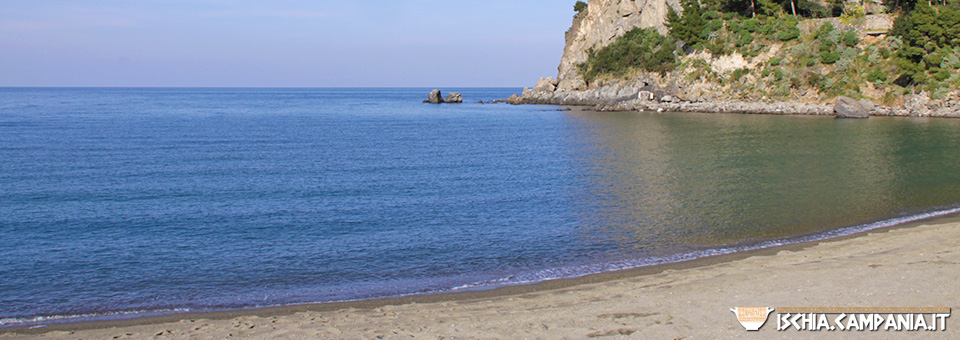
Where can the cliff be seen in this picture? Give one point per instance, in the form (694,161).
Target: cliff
(776,64)
(601,24)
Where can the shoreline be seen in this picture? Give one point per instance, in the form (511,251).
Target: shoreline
(476,296)
(643,96)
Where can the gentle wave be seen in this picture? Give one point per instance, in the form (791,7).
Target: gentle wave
(56,319)
(596,268)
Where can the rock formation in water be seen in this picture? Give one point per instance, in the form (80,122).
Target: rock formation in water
(454,97)
(435,97)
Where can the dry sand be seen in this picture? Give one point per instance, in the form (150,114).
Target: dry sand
(910,266)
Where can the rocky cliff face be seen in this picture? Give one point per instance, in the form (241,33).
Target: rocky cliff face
(603,22)
(733,82)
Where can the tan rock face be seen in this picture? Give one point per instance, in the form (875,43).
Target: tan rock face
(604,22)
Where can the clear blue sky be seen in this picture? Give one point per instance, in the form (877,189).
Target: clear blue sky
(280,42)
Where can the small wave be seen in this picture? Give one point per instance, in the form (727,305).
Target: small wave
(55,319)
(596,268)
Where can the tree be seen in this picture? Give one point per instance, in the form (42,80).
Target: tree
(690,26)
(770,7)
(580,6)
(928,33)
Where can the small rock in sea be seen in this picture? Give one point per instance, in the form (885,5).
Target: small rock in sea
(454,97)
(435,97)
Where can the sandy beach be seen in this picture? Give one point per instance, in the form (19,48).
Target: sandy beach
(908,266)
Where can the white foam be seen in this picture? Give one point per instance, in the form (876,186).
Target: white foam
(54,319)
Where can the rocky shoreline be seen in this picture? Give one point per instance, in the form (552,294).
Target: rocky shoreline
(643,96)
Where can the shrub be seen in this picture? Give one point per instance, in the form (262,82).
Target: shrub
(745,38)
(713,25)
(833,36)
(778,73)
(826,45)
(751,25)
(933,59)
(738,73)
(895,43)
(775,61)
(872,55)
(940,74)
(847,52)
(829,57)
(752,50)
(952,61)
(813,79)
(788,34)
(711,15)
(734,25)
(876,76)
(823,31)
(843,65)
(852,11)
(796,82)
(813,9)
(885,52)
(850,38)
(717,48)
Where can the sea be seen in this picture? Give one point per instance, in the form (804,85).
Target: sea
(130,202)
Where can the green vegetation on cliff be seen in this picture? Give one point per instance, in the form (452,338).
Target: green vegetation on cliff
(690,27)
(930,37)
(765,51)
(642,48)
(579,7)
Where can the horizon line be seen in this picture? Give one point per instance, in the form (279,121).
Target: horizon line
(253,87)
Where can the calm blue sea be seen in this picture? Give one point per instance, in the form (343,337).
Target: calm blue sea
(138,201)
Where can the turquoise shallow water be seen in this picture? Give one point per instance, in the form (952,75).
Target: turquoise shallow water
(137,201)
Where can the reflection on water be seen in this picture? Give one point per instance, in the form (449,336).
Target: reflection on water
(120,200)
(656,182)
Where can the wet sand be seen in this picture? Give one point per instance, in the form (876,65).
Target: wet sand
(913,265)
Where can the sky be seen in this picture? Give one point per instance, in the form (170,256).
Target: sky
(281,43)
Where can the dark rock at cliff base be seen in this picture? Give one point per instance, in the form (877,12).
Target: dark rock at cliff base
(848,108)
(454,97)
(513,99)
(435,97)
